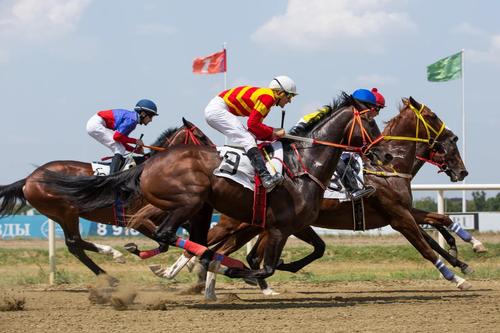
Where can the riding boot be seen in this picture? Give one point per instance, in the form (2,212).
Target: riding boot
(116,164)
(350,181)
(268,181)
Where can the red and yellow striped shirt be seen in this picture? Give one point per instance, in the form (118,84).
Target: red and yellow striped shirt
(242,100)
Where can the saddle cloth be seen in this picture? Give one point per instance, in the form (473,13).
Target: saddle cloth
(236,166)
(336,190)
(102,168)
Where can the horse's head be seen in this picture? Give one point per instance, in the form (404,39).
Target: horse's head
(441,149)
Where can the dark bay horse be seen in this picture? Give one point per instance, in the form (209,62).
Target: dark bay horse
(390,205)
(180,181)
(51,204)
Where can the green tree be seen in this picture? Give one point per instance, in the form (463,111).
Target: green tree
(426,203)
(479,198)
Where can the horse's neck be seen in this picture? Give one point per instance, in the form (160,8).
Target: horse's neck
(403,151)
(320,160)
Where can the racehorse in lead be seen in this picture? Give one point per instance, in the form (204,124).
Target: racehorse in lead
(390,205)
(181,182)
(51,204)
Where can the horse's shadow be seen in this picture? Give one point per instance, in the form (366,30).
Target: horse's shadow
(324,302)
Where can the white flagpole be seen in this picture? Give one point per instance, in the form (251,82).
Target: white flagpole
(464,199)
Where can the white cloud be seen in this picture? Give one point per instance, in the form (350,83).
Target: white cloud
(36,20)
(491,55)
(316,24)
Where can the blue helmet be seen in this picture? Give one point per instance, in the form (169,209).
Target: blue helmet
(365,95)
(146,105)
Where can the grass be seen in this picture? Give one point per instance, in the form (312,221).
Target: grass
(29,266)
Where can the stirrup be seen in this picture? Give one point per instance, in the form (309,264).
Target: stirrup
(272,180)
(367,191)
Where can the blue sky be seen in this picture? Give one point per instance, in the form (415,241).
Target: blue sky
(63,60)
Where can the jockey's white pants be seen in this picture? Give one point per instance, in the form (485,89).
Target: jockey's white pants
(96,128)
(218,116)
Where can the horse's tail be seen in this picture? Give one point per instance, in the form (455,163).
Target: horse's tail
(10,196)
(89,193)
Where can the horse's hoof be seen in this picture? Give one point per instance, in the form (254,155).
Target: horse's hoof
(464,285)
(269,292)
(467,269)
(131,247)
(158,270)
(479,248)
(120,259)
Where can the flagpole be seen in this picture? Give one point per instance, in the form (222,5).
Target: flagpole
(225,72)
(464,199)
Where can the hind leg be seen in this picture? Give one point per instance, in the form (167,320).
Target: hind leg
(76,246)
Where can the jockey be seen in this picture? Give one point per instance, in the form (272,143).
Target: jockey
(112,127)
(222,114)
(348,166)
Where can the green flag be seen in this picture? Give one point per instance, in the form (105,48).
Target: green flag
(446,69)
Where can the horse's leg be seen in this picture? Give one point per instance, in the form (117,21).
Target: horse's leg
(275,241)
(450,240)
(75,245)
(447,256)
(440,219)
(402,221)
(309,236)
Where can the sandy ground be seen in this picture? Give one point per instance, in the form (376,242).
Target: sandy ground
(403,306)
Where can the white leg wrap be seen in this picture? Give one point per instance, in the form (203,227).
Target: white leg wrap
(211,279)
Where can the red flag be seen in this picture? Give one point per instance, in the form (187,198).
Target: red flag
(214,63)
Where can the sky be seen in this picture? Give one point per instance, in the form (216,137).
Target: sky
(61,61)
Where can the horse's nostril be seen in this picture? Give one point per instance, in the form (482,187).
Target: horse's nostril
(464,173)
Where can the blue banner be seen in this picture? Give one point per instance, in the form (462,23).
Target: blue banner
(37,226)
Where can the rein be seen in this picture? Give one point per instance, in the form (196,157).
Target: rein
(190,136)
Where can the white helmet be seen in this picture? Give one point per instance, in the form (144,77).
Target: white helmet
(284,83)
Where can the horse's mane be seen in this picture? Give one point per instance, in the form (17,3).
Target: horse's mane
(338,103)
(163,136)
(394,120)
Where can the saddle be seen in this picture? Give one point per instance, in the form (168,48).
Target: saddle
(101,168)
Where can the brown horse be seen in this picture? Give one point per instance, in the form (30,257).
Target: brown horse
(181,182)
(51,204)
(390,205)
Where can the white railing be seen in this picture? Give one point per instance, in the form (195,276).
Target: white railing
(441,188)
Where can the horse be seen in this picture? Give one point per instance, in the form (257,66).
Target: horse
(390,205)
(181,182)
(51,204)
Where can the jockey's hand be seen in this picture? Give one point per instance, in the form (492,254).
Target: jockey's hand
(139,143)
(278,133)
(139,150)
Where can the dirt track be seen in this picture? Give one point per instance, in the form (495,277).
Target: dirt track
(409,306)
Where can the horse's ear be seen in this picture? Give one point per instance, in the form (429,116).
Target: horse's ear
(415,103)
(187,123)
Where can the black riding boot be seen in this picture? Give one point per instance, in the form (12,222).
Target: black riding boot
(349,179)
(259,165)
(116,164)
